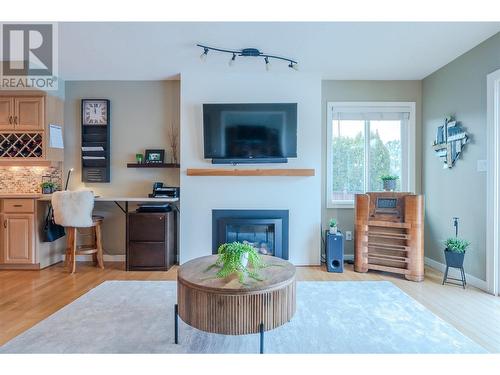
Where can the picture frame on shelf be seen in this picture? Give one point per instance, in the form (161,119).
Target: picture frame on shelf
(154,156)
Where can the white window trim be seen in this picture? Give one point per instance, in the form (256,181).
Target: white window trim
(408,142)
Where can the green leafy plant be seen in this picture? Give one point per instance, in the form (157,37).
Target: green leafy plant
(47,185)
(456,245)
(229,261)
(389,177)
(333,223)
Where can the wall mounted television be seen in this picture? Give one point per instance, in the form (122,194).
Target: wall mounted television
(250,133)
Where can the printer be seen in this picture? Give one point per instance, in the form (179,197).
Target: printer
(161,191)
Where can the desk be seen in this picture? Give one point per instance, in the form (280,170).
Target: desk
(123,203)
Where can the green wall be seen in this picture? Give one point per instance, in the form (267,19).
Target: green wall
(458,88)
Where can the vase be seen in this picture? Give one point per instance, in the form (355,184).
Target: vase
(389,185)
(47,190)
(333,230)
(455,260)
(244,260)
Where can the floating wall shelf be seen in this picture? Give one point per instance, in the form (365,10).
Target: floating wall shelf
(250,172)
(153,165)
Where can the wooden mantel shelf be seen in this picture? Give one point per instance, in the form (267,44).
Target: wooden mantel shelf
(250,172)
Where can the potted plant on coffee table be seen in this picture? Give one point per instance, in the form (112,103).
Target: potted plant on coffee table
(333,226)
(454,251)
(389,182)
(240,259)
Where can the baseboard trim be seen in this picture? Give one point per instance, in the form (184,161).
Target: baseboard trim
(453,272)
(107,258)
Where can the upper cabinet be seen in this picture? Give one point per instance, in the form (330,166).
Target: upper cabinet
(24,127)
(21,113)
(6,113)
(29,113)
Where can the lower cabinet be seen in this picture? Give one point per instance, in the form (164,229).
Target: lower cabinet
(18,233)
(150,241)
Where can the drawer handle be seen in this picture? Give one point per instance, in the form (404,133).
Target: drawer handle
(10,120)
(5,223)
(17,205)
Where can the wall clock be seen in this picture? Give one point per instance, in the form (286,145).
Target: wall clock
(96,140)
(95,112)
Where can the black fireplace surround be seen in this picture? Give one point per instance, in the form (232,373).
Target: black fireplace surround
(265,230)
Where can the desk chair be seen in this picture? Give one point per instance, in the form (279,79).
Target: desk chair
(73,210)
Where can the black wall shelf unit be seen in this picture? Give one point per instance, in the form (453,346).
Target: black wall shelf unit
(96,147)
(153,165)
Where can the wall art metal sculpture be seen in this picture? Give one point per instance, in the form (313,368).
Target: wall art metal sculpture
(449,142)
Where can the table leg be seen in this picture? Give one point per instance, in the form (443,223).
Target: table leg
(261,328)
(176,323)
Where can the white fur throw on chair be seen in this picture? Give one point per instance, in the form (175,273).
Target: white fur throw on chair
(73,208)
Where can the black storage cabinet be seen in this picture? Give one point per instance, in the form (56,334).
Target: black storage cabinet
(150,241)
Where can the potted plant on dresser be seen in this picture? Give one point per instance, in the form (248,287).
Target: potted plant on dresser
(389,182)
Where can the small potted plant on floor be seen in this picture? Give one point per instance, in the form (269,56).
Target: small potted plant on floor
(454,251)
(240,259)
(47,187)
(389,182)
(333,226)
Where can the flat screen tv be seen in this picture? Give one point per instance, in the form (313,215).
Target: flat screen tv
(250,133)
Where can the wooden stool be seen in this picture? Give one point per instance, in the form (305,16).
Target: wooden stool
(95,249)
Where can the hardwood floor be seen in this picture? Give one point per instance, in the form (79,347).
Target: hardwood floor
(27,297)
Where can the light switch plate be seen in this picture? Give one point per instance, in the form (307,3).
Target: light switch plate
(348,235)
(482,165)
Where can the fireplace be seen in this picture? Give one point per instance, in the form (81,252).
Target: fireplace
(265,230)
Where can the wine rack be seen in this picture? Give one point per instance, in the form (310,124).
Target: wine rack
(21,145)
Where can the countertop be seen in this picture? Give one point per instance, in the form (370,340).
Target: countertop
(48,197)
(17,196)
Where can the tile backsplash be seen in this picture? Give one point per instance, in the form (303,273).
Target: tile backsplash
(27,180)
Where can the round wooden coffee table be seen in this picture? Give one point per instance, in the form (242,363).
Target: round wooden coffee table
(228,307)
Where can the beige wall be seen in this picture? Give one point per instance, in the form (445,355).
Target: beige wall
(358,91)
(141,115)
(459,89)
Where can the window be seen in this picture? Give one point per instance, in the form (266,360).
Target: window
(364,142)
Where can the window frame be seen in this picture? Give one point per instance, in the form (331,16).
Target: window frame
(408,145)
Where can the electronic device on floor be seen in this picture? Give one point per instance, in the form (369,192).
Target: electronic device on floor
(334,252)
(161,191)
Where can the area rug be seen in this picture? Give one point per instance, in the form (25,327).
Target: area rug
(331,317)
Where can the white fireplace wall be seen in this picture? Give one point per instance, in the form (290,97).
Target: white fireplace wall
(300,195)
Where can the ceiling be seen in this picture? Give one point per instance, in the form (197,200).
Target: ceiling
(348,50)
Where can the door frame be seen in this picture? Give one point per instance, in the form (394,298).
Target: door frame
(493,183)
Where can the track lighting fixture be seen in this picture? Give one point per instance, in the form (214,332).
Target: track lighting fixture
(203,56)
(247,52)
(233,59)
(268,65)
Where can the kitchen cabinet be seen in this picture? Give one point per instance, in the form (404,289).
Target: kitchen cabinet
(29,113)
(22,113)
(6,111)
(18,238)
(24,127)
(22,245)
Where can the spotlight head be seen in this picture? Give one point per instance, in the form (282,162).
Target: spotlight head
(268,65)
(233,60)
(294,66)
(203,56)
